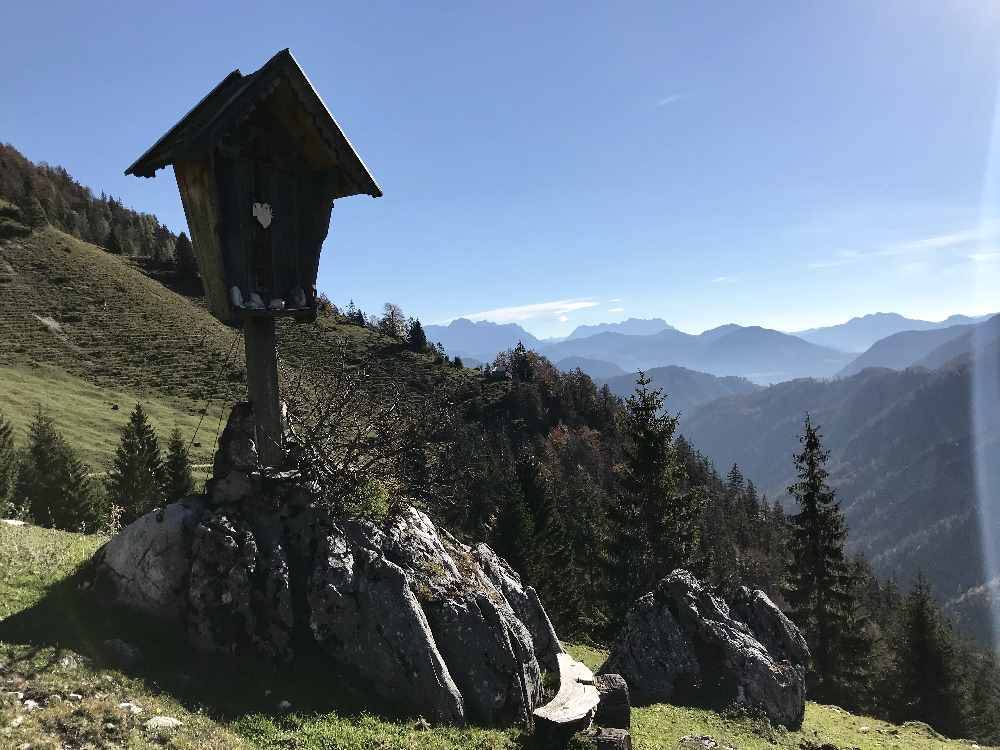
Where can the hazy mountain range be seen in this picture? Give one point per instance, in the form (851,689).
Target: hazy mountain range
(631,327)
(761,355)
(481,339)
(929,348)
(858,334)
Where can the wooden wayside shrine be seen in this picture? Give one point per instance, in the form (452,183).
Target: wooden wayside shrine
(259,162)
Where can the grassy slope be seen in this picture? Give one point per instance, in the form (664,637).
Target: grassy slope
(81,329)
(50,643)
(85,415)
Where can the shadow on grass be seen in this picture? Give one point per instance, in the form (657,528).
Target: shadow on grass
(68,617)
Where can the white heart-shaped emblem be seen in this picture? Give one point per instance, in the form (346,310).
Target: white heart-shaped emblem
(263,214)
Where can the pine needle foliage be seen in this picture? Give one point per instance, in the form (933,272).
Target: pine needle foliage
(53,487)
(927,675)
(136,478)
(8,466)
(654,523)
(819,582)
(178,480)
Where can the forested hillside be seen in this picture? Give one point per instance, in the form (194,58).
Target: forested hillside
(904,456)
(686,388)
(904,349)
(49,195)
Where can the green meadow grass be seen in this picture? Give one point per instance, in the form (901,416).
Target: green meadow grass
(83,412)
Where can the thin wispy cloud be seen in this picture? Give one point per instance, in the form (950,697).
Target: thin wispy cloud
(940,241)
(946,245)
(664,101)
(724,280)
(558,309)
(840,258)
(616,309)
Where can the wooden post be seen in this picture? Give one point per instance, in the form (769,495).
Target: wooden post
(262,383)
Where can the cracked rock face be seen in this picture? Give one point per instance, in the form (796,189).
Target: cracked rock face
(428,625)
(682,644)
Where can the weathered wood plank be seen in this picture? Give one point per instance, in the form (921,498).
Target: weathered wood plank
(573,708)
(262,384)
(196,182)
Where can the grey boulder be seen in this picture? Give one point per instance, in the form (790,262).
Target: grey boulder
(146,569)
(423,623)
(681,644)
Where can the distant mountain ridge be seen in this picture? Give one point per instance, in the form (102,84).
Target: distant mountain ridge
(630,327)
(481,339)
(859,334)
(930,348)
(760,354)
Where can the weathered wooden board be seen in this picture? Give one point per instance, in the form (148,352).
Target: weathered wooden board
(573,708)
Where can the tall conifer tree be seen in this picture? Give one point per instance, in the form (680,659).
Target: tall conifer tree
(8,465)
(819,583)
(53,486)
(654,522)
(136,478)
(928,680)
(187,267)
(178,482)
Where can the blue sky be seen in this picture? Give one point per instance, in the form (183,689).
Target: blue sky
(787,164)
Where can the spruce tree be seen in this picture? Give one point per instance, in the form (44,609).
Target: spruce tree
(735,482)
(8,466)
(416,339)
(513,533)
(178,481)
(983,719)
(136,478)
(654,523)
(111,243)
(572,534)
(187,267)
(818,586)
(53,486)
(928,681)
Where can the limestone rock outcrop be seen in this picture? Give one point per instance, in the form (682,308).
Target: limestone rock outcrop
(425,624)
(681,644)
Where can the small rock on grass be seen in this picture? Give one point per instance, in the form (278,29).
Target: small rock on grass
(703,742)
(132,708)
(162,722)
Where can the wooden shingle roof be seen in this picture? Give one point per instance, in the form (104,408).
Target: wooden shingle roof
(233,100)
